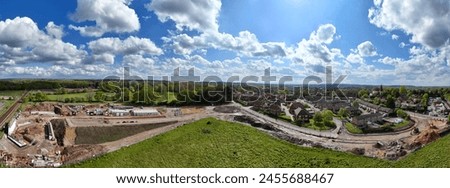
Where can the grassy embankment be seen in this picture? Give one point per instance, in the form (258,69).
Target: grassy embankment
(224,144)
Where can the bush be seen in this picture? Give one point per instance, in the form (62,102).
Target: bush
(402,114)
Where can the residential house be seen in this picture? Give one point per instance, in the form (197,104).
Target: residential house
(373,107)
(363,120)
(334,106)
(353,111)
(294,106)
(301,114)
(274,109)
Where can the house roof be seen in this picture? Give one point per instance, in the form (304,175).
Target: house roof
(300,111)
(294,106)
(367,116)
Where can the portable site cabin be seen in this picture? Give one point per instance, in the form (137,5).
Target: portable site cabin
(115,112)
(145,112)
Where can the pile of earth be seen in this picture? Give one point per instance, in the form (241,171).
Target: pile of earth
(59,128)
(255,123)
(74,154)
(40,107)
(427,137)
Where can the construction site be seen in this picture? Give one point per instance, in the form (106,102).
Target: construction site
(51,134)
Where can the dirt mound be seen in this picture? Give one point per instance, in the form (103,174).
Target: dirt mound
(34,130)
(358,151)
(74,154)
(427,137)
(194,110)
(294,140)
(227,109)
(40,107)
(70,136)
(255,123)
(59,127)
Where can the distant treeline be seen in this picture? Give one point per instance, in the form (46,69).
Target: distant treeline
(169,93)
(132,92)
(45,84)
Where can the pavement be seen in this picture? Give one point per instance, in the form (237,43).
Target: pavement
(286,111)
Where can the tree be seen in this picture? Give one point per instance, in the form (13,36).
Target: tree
(447,97)
(126,95)
(99,96)
(376,100)
(448,120)
(327,115)
(355,104)
(390,102)
(363,93)
(343,112)
(90,96)
(318,117)
(424,101)
(403,91)
(402,114)
(144,95)
(39,97)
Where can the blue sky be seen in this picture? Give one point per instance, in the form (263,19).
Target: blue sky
(369,41)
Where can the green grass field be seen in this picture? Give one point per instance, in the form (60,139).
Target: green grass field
(5,106)
(224,144)
(64,96)
(353,129)
(400,125)
(285,118)
(318,127)
(8,103)
(61,97)
(11,93)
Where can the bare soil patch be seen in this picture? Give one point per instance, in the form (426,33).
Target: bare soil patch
(193,110)
(74,154)
(59,127)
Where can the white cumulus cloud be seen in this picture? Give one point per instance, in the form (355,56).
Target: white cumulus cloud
(366,49)
(324,34)
(21,41)
(105,49)
(200,15)
(109,16)
(56,31)
(314,53)
(246,43)
(394,37)
(428,21)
